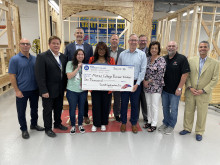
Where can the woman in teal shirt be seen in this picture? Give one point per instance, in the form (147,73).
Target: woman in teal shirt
(75,95)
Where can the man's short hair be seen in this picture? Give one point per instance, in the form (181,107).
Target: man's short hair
(54,38)
(205,42)
(114,35)
(133,34)
(142,35)
(80,28)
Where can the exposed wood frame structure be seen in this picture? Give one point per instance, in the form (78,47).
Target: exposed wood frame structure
(70,33)
(188,32)
(13,31)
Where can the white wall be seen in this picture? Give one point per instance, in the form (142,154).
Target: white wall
(29,20)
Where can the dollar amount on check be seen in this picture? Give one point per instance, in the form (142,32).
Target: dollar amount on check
(107,77)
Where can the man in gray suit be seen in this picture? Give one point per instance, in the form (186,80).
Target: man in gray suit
(142,102)
(115,51)
(69,52)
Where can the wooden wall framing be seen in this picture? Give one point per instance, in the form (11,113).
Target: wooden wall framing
(10,13)
(187,32)
(139,14)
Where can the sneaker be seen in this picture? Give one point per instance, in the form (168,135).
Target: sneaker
(103,128)
(162,127)
(168,130)
(94,129)
(81,129)
(73,130)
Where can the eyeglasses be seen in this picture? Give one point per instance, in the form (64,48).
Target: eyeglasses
(25,44)
(143,40)
(133,40)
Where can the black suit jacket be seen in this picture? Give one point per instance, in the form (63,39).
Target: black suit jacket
(71,48)
(146,52)
(118,53)
(50,77)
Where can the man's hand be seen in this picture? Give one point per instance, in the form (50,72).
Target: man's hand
(178,92)
(134,88)
(145,83)
(45,95)
(19,94)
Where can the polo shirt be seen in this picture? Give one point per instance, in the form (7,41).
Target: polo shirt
(175,67)
(23,68)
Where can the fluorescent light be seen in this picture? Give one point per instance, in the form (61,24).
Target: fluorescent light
(171,11)
(119,17)
(54,5)
(190,12)
(173,20)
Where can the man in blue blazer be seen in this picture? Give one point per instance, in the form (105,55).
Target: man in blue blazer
(69,52)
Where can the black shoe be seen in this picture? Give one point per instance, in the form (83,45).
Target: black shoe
(37,127)
(25,135)
(50,133)
(61,127)
(117,118)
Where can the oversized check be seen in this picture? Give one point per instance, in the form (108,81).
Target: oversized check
(107,77)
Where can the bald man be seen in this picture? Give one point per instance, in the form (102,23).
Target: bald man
(21,72)
(177,69)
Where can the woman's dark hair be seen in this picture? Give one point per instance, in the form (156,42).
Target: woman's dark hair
(154,43)
(103,46)
(74,60)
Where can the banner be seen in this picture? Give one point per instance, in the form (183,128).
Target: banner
(107,77)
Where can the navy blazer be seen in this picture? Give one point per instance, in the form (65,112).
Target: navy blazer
(50,77)
(71,48)
(118,53)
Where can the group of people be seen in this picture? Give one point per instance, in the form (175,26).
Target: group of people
(155,76)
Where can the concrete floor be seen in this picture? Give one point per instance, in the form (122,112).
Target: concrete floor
(105,148)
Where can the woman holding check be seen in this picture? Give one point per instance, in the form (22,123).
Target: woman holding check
(101,99)
(75,95)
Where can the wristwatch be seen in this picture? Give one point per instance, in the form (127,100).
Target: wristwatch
(179,89)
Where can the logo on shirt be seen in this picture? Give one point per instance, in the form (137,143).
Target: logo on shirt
(86,67)
(174,63)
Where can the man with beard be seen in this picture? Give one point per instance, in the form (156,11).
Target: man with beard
(177,70)
(69,52)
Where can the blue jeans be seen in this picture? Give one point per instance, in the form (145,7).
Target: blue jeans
(21,104)
(170,103)
(134,99)
(75,98)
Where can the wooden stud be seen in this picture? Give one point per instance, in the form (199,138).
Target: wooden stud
(178,31)
(213,25)
(186,33)
(3,62)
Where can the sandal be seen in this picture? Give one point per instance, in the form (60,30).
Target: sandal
(147,125)
(151,129)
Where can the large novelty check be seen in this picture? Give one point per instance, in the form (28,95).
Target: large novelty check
(107,77)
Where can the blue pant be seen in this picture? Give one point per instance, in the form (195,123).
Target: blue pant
(21,104)
(134,99)
(170,104)
(75,98)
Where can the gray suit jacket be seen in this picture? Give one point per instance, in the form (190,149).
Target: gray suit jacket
(118,53)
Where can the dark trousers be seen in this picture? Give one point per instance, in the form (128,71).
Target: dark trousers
(50,104)
(142,103)
(117,103)
(100,107)
(86,107)
(134,99)
(21,104)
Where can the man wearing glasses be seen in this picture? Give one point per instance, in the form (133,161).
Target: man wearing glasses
(142,101)
(21,72)
(136,58)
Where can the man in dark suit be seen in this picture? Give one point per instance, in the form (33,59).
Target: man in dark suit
(51,78)
(115,52)
(142,102)
(69,52)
